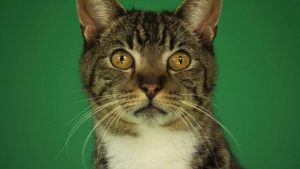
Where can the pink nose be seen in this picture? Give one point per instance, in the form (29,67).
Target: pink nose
(151,89)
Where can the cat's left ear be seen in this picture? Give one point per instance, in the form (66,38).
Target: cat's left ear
(96,15)
(202,17)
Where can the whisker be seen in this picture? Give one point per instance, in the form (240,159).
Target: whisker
(89,135)
(103,97)
(210,148)
(82,120)
(176,32)
(215,120)
(121,114)
(106,130)
(208,99)
(191,132)
(73,130)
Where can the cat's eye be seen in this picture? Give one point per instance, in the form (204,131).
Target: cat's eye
(179,61)
(122,60)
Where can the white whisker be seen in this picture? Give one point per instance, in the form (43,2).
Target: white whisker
(105,130)
(103,97)
(210,148)
(81,121)
(206,98)
(204,111)
(192,132)
(95,126)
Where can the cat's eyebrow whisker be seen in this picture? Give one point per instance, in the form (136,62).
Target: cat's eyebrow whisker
(180,34)
(126,28)
(215,120)
(181,24)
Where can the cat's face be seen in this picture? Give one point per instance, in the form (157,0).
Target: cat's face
(146,67)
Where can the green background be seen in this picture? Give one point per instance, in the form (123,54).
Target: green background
(257,95)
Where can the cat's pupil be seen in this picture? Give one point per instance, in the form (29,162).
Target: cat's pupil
(122,59)
(180,59)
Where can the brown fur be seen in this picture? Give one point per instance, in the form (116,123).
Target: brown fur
(184,97)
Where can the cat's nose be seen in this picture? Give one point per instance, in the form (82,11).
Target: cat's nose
(151,85)
(151,89)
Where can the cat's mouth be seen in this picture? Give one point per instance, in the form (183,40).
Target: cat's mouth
(149,112)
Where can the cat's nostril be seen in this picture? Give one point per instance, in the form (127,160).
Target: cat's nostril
(151,89)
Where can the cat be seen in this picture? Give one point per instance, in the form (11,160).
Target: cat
(150,77)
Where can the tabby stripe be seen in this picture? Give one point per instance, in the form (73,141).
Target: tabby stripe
(206,89)
(92,77)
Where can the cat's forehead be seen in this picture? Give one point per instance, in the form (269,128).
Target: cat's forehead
(148,36)
(152,22)
(151,30)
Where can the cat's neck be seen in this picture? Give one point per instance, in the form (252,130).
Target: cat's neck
(152,148)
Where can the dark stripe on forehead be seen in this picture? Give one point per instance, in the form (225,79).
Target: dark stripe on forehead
(150,28)
(129,41)
(129,37)
(150,25)
(172,42)
(147,25)
(207,85)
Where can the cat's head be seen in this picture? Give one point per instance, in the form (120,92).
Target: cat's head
(148,67)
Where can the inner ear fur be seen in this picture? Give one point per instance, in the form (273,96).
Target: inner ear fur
(201,16)
(96,15)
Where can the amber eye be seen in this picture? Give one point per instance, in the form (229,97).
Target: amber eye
(179,60)
(122,60)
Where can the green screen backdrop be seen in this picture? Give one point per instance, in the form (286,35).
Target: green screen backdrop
(257,95)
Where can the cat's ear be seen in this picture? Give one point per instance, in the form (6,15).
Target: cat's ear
(96,15)
(202,17)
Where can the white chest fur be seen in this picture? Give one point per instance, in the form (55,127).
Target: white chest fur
(154,148)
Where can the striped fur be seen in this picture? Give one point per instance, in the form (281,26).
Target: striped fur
(183,104)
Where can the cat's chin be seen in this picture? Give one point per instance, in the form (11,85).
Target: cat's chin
(150,115)
(150,112)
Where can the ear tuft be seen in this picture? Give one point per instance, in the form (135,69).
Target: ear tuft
(202,17)
(96,15)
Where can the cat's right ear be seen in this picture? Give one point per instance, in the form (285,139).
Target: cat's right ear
(95,15)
